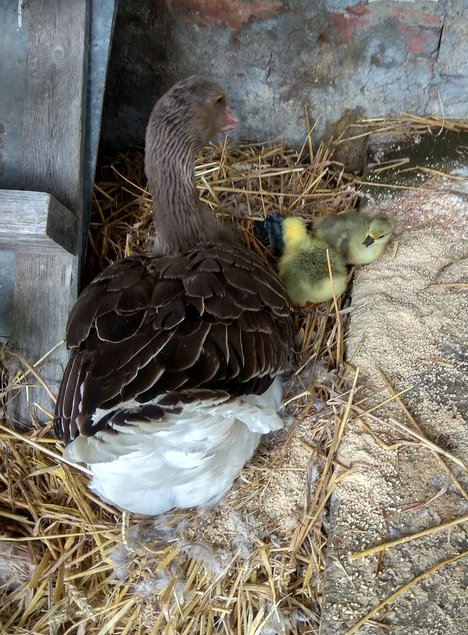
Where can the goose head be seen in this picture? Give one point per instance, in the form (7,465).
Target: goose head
(188,116)
(182,122)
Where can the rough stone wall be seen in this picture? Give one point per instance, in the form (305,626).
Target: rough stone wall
(276,56)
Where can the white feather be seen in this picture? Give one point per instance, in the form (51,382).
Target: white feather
(184,460)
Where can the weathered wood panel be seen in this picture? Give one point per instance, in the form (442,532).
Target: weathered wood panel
(44,45)
(44,58)
(54,115)
(36,221)
(39,320)
(13,70)
(7,277)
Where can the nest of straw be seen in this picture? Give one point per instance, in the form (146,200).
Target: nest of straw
(69,563)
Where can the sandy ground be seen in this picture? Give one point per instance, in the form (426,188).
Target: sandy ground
(408,331)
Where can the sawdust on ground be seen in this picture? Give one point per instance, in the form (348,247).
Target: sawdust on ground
(408,331)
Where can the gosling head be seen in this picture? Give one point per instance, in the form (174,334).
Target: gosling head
(192,111)
(294,231)
(380,230)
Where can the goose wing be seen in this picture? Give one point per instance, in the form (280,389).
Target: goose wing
(214,317)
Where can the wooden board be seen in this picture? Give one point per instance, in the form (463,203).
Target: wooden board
(53,124)
(7,278)
(44,46)
(38,328)
(36,222)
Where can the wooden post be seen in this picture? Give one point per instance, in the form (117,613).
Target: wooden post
(44,45)
(36,222)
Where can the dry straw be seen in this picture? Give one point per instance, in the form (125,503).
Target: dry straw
(70,564)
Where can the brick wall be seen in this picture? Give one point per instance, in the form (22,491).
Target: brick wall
(276,56)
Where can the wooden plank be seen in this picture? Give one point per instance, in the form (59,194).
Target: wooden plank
(54,110)
(35,221)
(44,46)
(51,39)
(38,325)
(7,278)
(13,70)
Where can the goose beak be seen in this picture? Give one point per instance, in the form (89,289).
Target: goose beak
(368,242)
(230,120)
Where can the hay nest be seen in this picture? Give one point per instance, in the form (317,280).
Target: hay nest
(255,562)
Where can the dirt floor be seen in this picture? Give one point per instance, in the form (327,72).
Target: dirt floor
(408,334)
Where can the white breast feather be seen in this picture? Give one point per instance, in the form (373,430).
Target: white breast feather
(188,459)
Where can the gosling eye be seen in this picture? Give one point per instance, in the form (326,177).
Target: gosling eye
(380,237)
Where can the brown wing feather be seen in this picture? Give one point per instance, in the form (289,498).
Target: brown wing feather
(212,318)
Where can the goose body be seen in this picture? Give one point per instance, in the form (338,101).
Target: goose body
(358,238)
(304,265)
(176,359)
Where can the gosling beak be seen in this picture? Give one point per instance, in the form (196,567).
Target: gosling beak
(368,242)
(230,120)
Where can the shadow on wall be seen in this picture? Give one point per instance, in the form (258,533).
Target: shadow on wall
(274,57)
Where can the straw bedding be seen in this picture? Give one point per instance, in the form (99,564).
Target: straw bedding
(253,564)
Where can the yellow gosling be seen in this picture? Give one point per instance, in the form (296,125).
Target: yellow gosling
(358,238)
(303,266)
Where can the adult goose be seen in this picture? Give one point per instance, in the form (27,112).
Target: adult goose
(175,363)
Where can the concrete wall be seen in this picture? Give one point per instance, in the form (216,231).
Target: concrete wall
(276,56)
